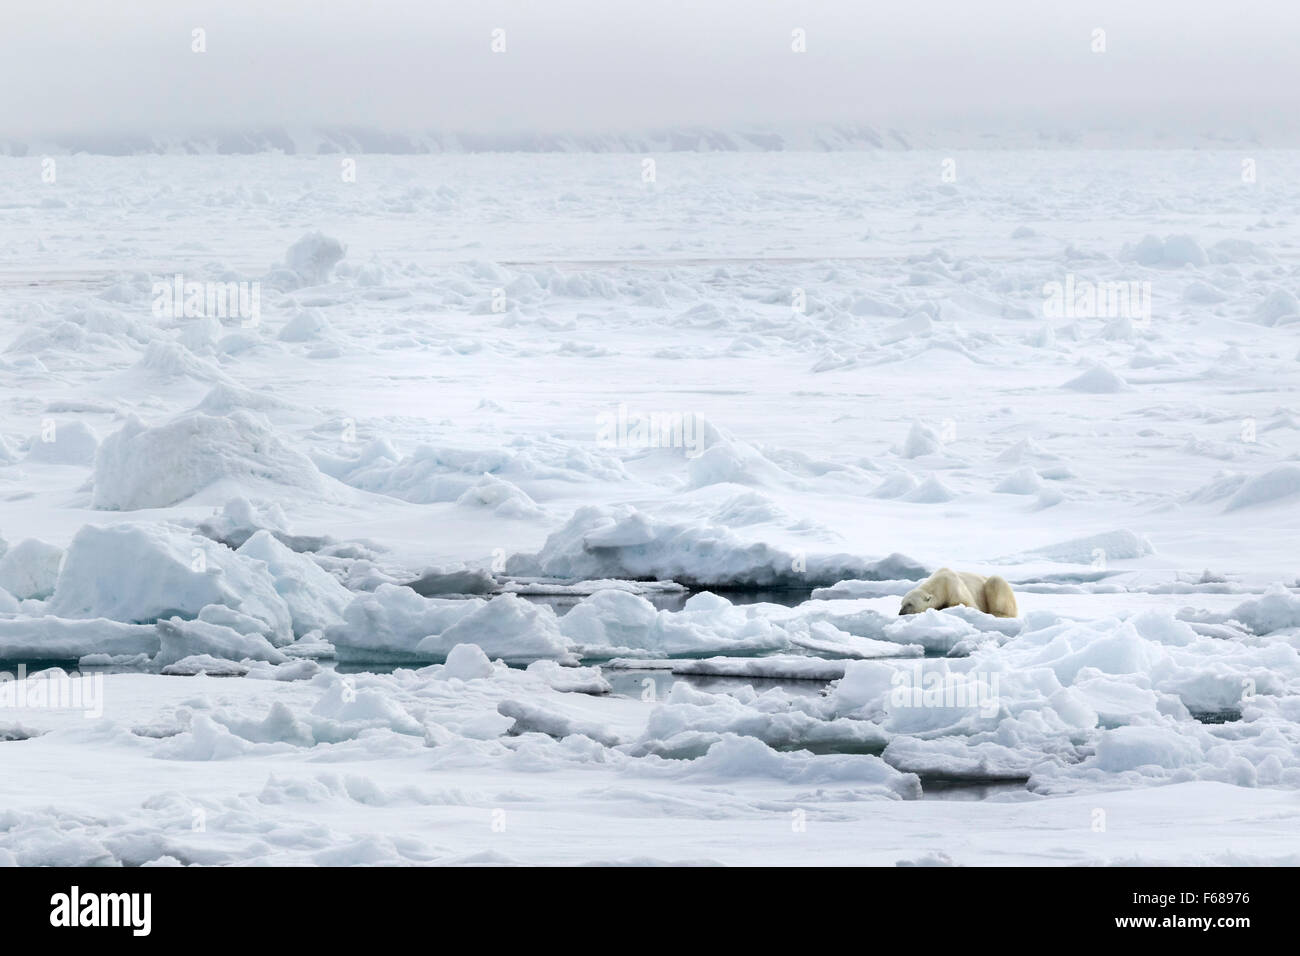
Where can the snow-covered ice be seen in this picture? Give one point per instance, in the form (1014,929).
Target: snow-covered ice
(539,513)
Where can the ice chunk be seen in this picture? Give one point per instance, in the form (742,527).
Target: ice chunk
(467,662)
(826,638)
(507,627)
(775,667)
(143,572)
(1132,748)
(688,717)
(314,256)
(536,718)
(735,757)
(60,639)
(621,542)
(197,664)
(30,569)
(315,598)
(933,630)
(570,680)
(180,639)
(304,326)
(611,623)
(433,583)
(1277,609)
(395,624)
(956,758)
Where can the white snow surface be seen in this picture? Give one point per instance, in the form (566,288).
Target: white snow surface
(538,389)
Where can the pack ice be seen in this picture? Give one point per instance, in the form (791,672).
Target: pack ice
(540,514)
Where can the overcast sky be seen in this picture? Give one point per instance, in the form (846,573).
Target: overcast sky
(606,65)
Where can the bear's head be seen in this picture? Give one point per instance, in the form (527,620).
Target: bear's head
(916,600)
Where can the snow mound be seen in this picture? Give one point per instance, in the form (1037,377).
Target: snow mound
(8,451)
(898,485)
(305,325)
(430,474)
(314,256)
(1120,545)
(728,460)
(622,542)
(1278,305)
(1098,380)
(1024,450)
(1227,251)
(1276,484)
(222,399)
(921,440)
(932,491)
(1023,481)
(168,362)
(1172,251)
(81,330)
(1203,293)
(74,443)
(143,467)
(501,497)
(1278,608)
(748,508)
(200,335)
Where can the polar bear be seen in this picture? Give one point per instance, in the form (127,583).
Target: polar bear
(948,588)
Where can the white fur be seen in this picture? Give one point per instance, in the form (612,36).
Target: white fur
(948,588)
